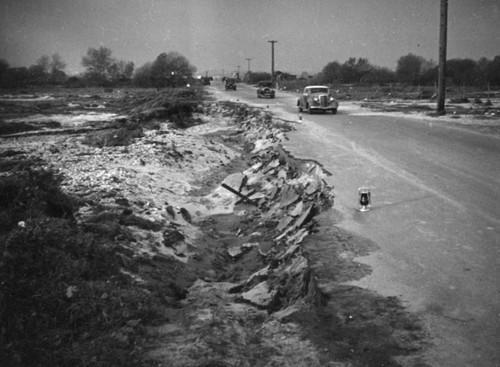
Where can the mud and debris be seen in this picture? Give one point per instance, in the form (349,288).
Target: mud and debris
(225,222)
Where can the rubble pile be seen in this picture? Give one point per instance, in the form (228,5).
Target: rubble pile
(225,203)
(240,316)
(214,218)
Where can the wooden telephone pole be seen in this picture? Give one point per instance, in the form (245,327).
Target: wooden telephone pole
(442,57)
(272,62)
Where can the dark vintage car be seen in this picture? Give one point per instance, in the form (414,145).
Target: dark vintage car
(265,90)
(230,83)
(317,98)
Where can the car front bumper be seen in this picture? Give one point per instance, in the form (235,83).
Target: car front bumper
(266,94)
(323,108)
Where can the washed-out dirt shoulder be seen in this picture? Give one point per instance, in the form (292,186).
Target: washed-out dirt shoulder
(254,279)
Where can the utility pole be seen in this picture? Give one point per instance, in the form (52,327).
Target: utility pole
(248,73)
(238,75)
(272,42)
(442,57)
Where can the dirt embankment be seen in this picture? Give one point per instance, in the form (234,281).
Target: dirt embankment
(218,223)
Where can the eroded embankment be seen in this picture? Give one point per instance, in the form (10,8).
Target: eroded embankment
(220,251)
(237,314)
(273,294)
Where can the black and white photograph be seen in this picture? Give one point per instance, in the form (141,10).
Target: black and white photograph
(249,183)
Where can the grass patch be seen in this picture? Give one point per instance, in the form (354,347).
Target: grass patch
(7,128)
(114,137)
(177,105)
(64,298)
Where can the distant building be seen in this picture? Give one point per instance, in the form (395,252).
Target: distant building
(280,75)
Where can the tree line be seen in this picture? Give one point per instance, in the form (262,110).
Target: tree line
(101,69)
(413,70)
(171,69)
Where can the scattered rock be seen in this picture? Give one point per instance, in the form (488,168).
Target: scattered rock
(260,295)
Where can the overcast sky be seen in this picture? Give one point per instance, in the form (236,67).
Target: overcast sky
(218,35)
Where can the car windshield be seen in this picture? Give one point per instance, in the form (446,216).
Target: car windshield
(266,84)
(318,90)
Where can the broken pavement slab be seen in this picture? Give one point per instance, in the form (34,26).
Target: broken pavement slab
(260,296)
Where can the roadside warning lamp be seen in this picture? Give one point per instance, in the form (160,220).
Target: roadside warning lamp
(365,199)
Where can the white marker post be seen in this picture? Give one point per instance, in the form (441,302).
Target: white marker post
(365,199)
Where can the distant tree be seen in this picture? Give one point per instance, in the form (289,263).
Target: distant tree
(43,64)
(171,70)
(128,70)
(354,70)
(410,69)
(57,66)
(15,77)
(482,67)
(4,65)
(98,62)
(304,76)
(47,70)
(462,71)
(331,73)
(38,75)
(379,75)
(259,76)
(428,73)
(492,73)
(142,76)
(121,70)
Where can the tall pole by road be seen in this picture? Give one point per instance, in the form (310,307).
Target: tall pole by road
(442,57)
(272,42)
(248,74)
(248,59)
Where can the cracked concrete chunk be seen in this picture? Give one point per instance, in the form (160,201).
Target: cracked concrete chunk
(288,196)
(297,210)
(285,314)
(305,217)
(260,295)
(265,247)
(237,251)
(235,181)
(284,222)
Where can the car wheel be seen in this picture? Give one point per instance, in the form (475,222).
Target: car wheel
(334,111)
(300,109)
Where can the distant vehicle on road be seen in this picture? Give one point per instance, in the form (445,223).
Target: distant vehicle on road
(230,83)
(317,98)
(265,89)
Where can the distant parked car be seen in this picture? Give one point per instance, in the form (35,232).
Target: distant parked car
(230,83)
(265,90)
(317,98)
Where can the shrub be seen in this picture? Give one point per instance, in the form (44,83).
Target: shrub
(64,300)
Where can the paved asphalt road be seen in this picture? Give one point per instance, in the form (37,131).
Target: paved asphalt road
(435,217)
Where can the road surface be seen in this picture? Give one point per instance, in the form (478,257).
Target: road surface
(435,216)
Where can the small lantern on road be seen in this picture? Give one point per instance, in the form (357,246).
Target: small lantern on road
(365,199)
